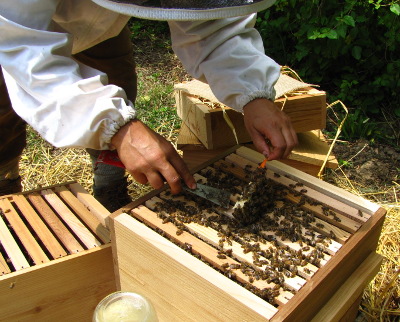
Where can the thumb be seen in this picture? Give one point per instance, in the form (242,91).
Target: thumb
(261,144)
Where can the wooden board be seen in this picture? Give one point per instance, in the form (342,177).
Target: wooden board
(196,295)
(66,289)
(56,225)
(347,294)
(308,156)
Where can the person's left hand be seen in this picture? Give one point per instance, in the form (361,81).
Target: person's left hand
(270,129)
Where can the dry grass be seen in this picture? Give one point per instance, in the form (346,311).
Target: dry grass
(382,296)
(381,299)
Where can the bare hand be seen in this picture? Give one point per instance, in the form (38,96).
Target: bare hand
(270,129)
(148,157)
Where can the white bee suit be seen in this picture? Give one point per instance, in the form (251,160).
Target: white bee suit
(72,105)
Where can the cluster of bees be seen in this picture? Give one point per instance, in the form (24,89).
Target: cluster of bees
(264,216)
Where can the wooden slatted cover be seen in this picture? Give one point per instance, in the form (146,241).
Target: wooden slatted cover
(39,226)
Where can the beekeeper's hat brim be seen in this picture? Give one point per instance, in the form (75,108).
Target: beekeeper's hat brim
(185,9)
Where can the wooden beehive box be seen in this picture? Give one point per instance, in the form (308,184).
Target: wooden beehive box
(203,114)
(309,257)
(55,255)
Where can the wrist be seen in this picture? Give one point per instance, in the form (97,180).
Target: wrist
(124,130)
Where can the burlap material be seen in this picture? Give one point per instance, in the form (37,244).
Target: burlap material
(284,86)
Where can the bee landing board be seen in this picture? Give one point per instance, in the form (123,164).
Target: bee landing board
(55,254)
(288,242)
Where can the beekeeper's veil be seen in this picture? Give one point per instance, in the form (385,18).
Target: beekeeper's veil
(185,9)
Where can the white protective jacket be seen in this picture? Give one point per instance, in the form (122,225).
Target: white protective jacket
(72,105)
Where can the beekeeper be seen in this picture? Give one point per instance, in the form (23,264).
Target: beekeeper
(68,71)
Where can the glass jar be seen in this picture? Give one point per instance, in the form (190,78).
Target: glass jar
(124,307)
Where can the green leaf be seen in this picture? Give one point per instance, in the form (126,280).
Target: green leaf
(341,31)
(313,34)
(332,34)
(356,52)
(349,20)
(395,8)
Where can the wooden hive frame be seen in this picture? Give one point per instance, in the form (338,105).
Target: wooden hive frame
(181,286)
(55,254)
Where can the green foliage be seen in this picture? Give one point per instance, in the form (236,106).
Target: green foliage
(344,163)
(359,126)
(149,29)
(349,47)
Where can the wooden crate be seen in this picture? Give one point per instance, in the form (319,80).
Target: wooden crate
(190,271)
(55,255)
(306,111)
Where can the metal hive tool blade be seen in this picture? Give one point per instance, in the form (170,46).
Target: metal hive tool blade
(217,196)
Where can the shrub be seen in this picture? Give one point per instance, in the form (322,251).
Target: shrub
(349,47)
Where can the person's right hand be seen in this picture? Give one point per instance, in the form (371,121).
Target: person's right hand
(149,157)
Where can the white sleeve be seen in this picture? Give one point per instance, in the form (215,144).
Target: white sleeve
(70,105)
(229,55)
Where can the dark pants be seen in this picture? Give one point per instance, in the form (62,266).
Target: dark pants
(113,57)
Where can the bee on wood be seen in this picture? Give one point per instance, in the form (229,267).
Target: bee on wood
(332,234)
(307,270)
(325,210)
(224,266)
(319,225)
(309,233)
(277,175)
(303,190)
(337,219)
(360,213)
(301,202)
(166,220)
(179,232)
(221,256)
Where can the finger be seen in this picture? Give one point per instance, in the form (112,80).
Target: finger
(155,179)
(139,177)
(291,140)
(173,180)
(278,144)
(261,144)
(183,171)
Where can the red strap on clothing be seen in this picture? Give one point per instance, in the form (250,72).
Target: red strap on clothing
(111,158)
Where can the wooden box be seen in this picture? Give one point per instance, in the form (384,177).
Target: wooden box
(206,120)
(193,264)
(55,255)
